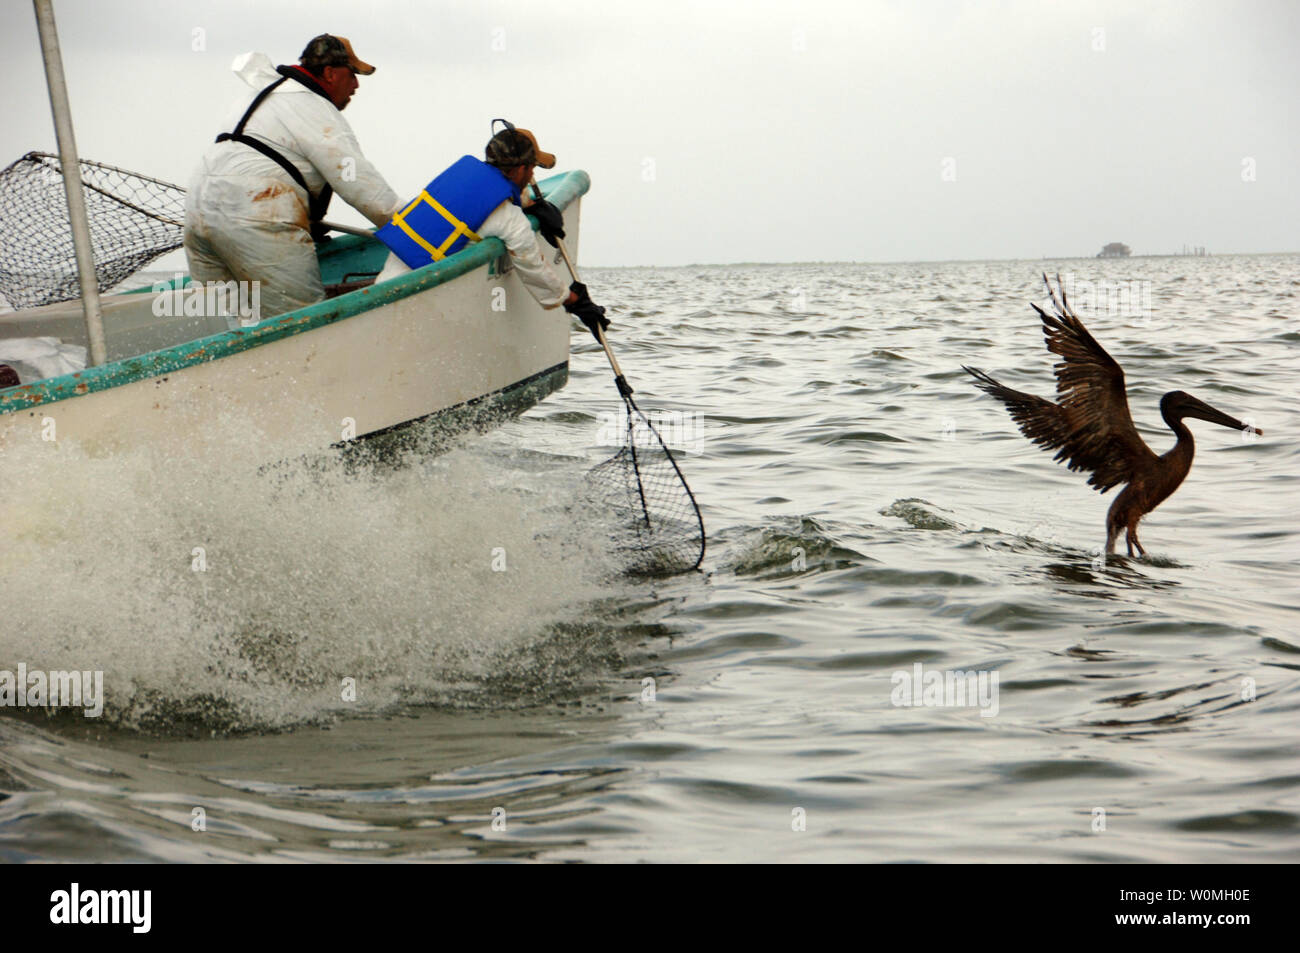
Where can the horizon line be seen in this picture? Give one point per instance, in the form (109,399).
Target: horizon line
(943,261)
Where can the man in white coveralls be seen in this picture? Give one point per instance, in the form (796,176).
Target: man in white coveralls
(257,198)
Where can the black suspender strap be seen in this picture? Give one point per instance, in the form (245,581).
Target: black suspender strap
(316,204)
(252,108)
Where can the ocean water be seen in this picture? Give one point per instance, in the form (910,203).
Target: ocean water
(869,513)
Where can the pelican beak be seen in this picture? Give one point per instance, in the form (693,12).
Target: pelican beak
(1203,411)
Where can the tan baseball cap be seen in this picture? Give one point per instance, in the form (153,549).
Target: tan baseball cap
(511,147)
(329,50)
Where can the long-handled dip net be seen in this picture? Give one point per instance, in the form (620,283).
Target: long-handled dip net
(660,529)
(133,220)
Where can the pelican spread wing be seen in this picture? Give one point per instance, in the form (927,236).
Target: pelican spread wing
(1090,428)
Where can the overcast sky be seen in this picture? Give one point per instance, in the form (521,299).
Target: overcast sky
(753,131)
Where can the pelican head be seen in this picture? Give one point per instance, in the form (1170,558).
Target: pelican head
(1178,404)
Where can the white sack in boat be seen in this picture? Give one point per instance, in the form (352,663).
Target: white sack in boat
(35,359)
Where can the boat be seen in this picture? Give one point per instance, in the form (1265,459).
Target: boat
(459,342)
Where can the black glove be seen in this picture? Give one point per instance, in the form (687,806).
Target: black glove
(586,310)
(549,220)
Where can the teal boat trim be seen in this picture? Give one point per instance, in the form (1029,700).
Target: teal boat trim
(561,190)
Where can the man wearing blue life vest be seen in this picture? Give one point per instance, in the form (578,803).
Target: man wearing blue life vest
(473,200)
(255,203)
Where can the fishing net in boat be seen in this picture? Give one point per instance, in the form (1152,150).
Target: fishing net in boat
(658,526)
(133,220)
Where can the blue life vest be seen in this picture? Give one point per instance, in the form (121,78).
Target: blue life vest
(441,220)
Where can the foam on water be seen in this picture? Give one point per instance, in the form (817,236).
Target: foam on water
(218,593)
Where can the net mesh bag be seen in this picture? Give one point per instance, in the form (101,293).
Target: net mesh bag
(133,220)
(658,527)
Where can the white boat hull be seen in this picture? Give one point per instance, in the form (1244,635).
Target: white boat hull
(391,357)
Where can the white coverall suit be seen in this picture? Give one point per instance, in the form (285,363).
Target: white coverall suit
(245,217)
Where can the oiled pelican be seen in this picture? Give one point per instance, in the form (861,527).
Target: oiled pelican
(1091,428)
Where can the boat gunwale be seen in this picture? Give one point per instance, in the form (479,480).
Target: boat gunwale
(564,189)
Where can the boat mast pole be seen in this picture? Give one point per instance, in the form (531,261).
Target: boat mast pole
(71,180)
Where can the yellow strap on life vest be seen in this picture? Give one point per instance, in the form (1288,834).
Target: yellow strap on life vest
(458,228)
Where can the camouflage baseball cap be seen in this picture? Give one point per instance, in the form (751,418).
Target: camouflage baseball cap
(328,50)
(512,147)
